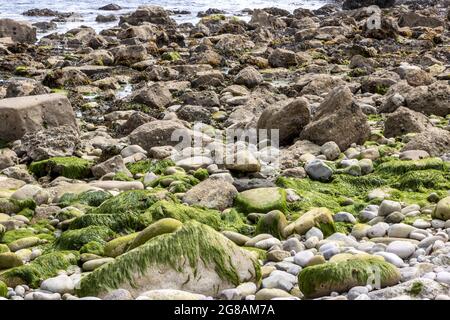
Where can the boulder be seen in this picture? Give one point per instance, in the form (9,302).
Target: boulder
(152,14)
(413,19)
(261,200)
(338,119)
(442,210)
(283,58)
(19,31)
(159,133)
(404,121)
(52,142)
(211,193)
(321,218)
(213,263)
(431,100)
(33,113)
(156,97)
(112,165)
(435,141)
(249,77)
(166,225)
(341,276)
(289,117)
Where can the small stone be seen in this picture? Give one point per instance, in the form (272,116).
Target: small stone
(302,258)
(60,284)
(318,170)
(118,294)
(403,249)
(389,206)
(314,232)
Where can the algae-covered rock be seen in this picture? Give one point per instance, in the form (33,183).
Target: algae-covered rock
(3,289)
(3,248)
(272,223)
(166,225)
(442,210)
(211,264)
(118,222)
(261,200)
(119,245)
(341,276)
(75,239)
(9,260)
(321,218)
(183,213)
(41,268)
(130,201)
(23,243)
(93,247)
(69,167)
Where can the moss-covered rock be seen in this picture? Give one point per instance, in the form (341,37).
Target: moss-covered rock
(75,239)
(92,198)
(399,167)
(24,243)
(272,223)
(442,210)
(118,246)
(341,276)
(12,206)
(125,222)
(201,174)
(129,201)
(211,264)
(3,289)
(144,166)
(93,247)
(9,260)
(184,213)
(3,248)
(321,218)
(69,167)
(261,200)
(166,225)
(41,268)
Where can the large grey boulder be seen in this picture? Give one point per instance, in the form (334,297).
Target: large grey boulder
(159,133)
(289,117)
(338,119)
(212,193)
(21,115)
(19,31)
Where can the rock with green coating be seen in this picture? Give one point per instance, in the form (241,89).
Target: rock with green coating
(272,223)
(261,200)
(69,167)
(211,264)
(442,210)
(321,218)
(9,260)
(167,225)
(91,265)
(43,267)
(3,248)
(118,246)
(75,239)
(23,243)
(93,247)
(3,289)
(323,279)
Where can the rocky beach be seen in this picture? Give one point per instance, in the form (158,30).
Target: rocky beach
(284,153)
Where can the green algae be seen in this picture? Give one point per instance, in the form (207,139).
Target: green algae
(93,247)
(194,241)
(43,267)
(261,200)
(144,166)
(75,239)
(69,167)
(3,289)
(129,201)
(90,198)
(321,280)
(124,222)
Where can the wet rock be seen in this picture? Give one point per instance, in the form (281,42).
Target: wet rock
(435,141)
(249,77)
